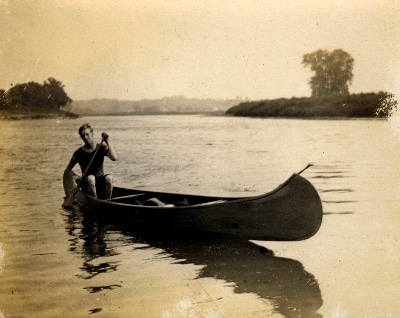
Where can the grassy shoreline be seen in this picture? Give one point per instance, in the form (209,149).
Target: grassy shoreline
(369,105)
(24,115)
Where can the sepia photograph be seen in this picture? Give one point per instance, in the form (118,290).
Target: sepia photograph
(202,159)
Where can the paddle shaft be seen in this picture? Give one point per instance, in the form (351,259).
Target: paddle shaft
(90,164)
(70,198)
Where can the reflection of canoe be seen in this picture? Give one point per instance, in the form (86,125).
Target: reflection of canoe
(293,211)
(282,282)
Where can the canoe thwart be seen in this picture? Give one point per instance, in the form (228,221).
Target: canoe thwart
(126,196)
(210,203)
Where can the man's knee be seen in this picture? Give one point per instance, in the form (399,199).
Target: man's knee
(91,185)
(108,179)
(91,180)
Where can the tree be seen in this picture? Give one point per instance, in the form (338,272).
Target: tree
(32,95)
(4,100)
(55,94)
(28,95)
(333,72)
(387,105)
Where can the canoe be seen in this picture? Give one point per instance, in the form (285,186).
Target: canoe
(291,212)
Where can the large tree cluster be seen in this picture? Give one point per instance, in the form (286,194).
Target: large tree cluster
(34,96)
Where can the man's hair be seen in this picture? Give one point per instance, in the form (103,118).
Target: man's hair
(85,126)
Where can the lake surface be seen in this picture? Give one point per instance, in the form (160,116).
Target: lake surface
(57,263)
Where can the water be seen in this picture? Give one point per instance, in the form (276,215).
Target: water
(57,263)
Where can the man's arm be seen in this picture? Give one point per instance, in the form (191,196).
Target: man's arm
(71,164)
(111,152)
(68,170)
(68,177)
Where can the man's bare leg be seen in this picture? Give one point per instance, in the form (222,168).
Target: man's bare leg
(91,180)
(108,186)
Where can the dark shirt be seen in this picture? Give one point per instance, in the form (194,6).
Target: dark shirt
(83,158)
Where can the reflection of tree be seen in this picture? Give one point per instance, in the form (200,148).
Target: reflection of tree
(283,282)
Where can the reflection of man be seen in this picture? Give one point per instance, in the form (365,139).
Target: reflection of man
(95,182)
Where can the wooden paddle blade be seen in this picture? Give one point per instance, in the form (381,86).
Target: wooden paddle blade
(68,202)
(69,182)
(69,199)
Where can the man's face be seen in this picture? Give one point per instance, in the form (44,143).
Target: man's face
(87,136)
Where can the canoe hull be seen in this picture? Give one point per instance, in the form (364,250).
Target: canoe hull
(291,212)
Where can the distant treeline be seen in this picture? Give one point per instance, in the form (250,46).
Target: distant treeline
(49,100)
(166,105)
(360,105)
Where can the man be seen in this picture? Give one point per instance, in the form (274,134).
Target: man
(96,183)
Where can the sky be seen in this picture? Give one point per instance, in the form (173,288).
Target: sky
(137,49)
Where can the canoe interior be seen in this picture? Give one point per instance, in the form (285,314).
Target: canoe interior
(138,197)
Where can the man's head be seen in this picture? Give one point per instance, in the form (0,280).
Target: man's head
(83,127)
(86,133)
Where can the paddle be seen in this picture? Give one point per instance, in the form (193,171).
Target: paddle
(69,200)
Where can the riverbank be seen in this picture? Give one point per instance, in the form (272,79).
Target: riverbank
(24,114)
(364,105)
